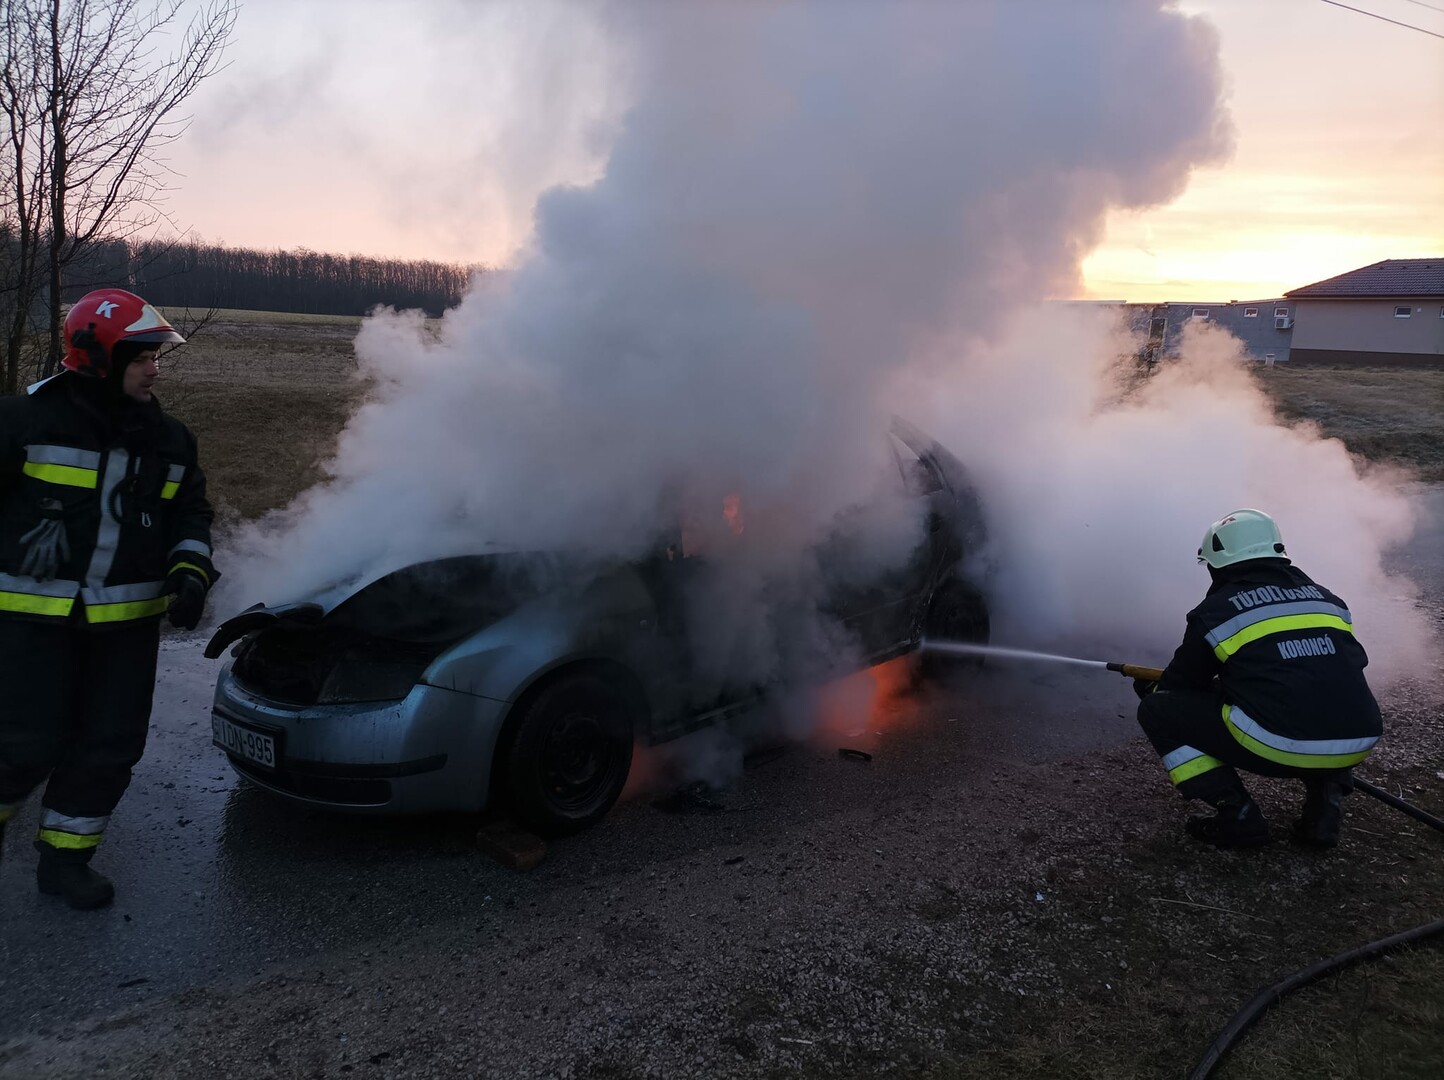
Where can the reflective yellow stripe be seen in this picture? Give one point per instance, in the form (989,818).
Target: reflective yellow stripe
(1191,768)
(173,477)
(69,475)
(136,609)
(191,566)
(1287,757)
(29,604)
(70,841)
(8,812)
(1230,645)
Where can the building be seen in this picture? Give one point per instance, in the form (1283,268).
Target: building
(1389,314)
(1264,327)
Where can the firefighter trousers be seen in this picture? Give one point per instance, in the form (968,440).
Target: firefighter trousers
(74,712)
(1186,728)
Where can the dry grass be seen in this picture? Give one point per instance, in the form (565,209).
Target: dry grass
(240,317)
(266,394)
(1384,415)
(1383,1020)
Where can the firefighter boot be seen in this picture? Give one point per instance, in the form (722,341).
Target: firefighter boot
(1238,823)
(1235,825)
(1323,813)
(68,875)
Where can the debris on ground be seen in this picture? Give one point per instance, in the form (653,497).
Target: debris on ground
(696,797)
(511,845)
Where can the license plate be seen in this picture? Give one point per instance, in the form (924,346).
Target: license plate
(243,742)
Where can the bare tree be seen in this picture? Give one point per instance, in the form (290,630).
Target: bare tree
(90,110)
(24,168)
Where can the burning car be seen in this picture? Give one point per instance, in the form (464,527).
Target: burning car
(523,679)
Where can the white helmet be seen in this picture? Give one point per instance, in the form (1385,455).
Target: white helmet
(1241,535)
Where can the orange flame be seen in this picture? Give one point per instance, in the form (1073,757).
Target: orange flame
(854,712)
(645,774)
(862,706)
(732,513)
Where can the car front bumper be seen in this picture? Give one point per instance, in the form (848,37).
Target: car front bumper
(430,752)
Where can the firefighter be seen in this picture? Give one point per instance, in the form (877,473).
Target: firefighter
(1270,679)
(104,526)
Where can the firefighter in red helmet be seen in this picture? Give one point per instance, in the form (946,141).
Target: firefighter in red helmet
(104,528)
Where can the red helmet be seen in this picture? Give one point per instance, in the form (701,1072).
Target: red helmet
(101,320)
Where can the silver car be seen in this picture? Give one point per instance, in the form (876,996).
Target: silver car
(524,679)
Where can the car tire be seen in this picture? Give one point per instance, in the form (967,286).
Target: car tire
(567,760)
(959,613)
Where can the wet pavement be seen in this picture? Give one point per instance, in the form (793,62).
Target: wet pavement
(218,882)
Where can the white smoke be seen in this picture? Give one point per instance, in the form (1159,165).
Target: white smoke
(1098,493)
(815,213)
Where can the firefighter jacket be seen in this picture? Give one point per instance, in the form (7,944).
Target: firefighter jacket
(1289,668)
(114,487)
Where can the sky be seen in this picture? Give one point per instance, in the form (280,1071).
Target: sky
(351,128)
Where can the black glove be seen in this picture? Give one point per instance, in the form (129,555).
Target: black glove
(47,548)
(1144,687)
(187,599)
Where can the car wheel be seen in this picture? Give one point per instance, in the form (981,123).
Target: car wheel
(568,758)
(958,613)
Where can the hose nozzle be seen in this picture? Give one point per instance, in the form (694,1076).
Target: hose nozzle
(1134,671)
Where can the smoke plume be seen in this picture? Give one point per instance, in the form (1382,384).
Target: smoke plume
(814,214)
(1099,492)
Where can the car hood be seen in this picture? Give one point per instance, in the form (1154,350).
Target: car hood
(432,602)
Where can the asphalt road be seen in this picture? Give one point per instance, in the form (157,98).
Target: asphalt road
(219,883)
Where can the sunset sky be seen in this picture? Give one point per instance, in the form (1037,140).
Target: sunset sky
(1339,161)
(430,137)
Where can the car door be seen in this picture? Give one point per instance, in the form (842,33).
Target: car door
(880,605)
(688,687)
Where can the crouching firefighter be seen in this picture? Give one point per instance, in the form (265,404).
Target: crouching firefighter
(1270,679)
(104,526)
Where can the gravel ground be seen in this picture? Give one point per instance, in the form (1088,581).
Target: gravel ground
(918,924)
(946,909)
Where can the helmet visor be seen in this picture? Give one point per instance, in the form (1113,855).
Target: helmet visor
(157,336)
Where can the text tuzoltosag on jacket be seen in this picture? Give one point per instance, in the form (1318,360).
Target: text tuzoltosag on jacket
(101,498)
(1289,669)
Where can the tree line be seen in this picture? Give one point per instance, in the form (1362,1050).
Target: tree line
(205,276)
(200,277)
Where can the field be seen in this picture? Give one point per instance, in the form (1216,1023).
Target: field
(1149,943)
(1394,416)
(266,393)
